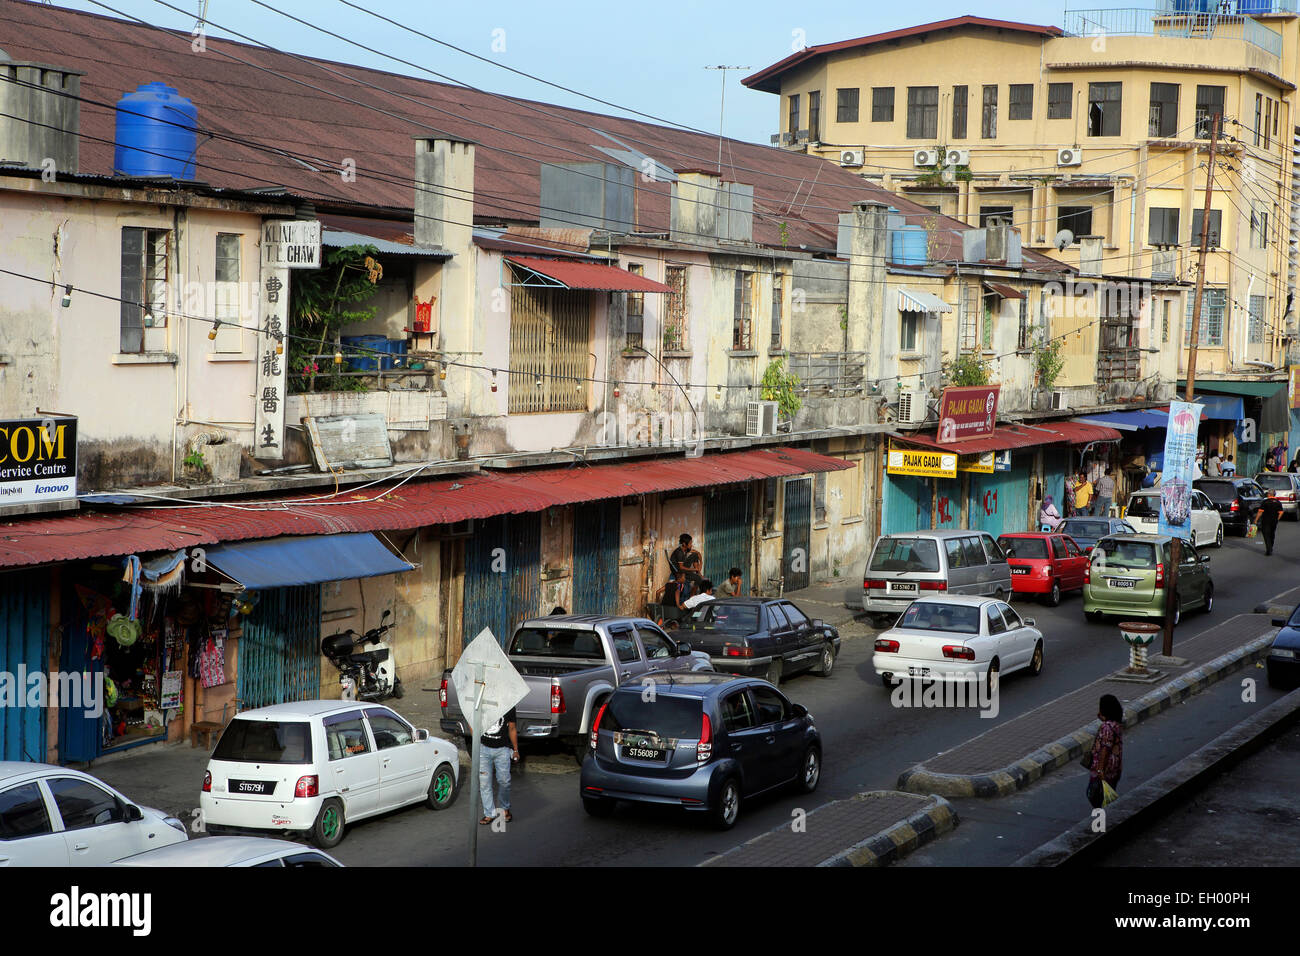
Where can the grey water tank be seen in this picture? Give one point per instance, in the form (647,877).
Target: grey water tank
(40,115)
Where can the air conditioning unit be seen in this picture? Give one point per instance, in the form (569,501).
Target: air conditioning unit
(1069,156)
(787,139)
(912,407)
(925,157)
(760,419)
(776,139)
(957,157)
(802,136)
(1059,400)
(852,157)
(1164,264)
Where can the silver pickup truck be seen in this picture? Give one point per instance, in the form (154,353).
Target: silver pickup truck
(571,663)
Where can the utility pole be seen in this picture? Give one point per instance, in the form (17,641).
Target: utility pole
(722,111)
(1171,596)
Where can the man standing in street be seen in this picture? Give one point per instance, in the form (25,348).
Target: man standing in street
(1082,495)
(1267,517)
(499,747)
(1105,494)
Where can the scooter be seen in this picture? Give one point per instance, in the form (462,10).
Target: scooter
(364,674)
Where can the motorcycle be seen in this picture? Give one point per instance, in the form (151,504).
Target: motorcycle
(364,674)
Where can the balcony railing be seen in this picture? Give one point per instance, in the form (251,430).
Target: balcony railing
(829,373)
(1187,19)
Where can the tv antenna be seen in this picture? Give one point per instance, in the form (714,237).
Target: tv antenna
(722,111)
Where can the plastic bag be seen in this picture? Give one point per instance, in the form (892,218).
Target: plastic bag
(1108,794)
(1252,529)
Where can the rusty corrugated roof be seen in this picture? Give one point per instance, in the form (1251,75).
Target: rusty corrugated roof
(95,534)
(588,275)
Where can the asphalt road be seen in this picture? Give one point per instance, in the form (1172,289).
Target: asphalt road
(867,742)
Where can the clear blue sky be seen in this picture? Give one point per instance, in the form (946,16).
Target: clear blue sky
(646,56)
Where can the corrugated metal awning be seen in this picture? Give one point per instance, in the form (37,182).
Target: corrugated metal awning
(1017,436)
(341,239)
(593,276)
(914,300)
(94,534)
(1004,290)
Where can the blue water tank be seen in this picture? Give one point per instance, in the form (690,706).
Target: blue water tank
(156,133)
(908,246)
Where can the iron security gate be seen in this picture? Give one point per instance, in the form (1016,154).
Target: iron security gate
(503,575)
(907,504)
(279,650)
(728,525)
(24,624)
(999,503)
(947,503)
(1056,461)
(798,533)
(595,557)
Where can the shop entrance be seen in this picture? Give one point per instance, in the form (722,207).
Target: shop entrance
(279,650)
(24,624)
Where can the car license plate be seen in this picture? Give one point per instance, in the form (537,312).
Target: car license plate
(909,588)
(252,786)
(918,672)
(1019,570)
(1121,582)
(1281,652)
(644,753)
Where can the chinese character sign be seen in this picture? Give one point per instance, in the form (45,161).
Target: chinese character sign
(272,348)
(1179,469)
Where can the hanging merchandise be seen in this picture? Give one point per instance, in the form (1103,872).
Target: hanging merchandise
(98,610)
(212,660)
(123,630)
(171,690)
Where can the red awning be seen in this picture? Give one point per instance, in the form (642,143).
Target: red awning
(93,534)
(1018,436)
(1004,290)
(571,274)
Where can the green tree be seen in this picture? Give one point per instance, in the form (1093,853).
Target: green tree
(779,385)
(968,369)
(325,302)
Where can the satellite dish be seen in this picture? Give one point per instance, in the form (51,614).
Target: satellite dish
(1063,239)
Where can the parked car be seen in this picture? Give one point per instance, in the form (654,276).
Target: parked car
(1235,499)
(317,766)
(1044,564)
(1283,661)
(757,636)
(1143,513)
(56,816)
(571,663)
(1086,531)
(707,743)
(958,638)
(905,566)
(233,851)
(1128,573)
(1286,487)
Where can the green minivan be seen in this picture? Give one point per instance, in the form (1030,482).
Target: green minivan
(1128,572)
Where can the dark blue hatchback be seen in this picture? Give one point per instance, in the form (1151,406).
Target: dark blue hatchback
(1283,661)
(703,742)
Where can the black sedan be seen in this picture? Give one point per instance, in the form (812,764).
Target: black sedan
(1236,500)
(1283,660)
(1086,532)
(767,637)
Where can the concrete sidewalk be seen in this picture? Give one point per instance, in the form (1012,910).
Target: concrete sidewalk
(835,602)
(1015,754)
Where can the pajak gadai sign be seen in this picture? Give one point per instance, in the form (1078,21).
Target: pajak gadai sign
(968,413)
(38,460)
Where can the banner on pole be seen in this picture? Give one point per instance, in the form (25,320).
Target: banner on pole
(1179,469)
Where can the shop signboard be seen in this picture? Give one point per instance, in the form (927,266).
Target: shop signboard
(968,413)
(291,244)
(1002,460)
(1293,387)
(984,463)
(272,363)
(38,460)
(1179,469)
(922,463)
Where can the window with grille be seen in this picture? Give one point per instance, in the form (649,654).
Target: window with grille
(846,105)
(989,114)
(1270,110)
(635,309)
(1060,100)
(968,328)
(1023,335)
(1020,101)
(1105,103)
(922,112)
(743,312)
(960,94)
(815,115)
(1162,226)
(1258,228)
(1255,328)
(230,337)
(145,256)
(1164,324)
(1259,116)
(882,104)
(1164,110)
(794,114)
(992,302)
(1213,303)
(550,349)
(1209,104)
(675,322)
(910,333)
(778,308)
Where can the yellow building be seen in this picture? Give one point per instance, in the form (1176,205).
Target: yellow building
(1094,141)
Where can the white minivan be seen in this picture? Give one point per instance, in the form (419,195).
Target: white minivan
(315,766)
(909,565)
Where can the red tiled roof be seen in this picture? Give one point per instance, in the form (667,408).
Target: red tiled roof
(767,79)
(1017,436)
(94,534)
(589,275)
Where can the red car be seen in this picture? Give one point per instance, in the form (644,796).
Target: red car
(1044,564)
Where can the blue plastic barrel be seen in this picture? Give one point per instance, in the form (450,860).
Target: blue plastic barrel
(363,352)
(908,246)
(156,133)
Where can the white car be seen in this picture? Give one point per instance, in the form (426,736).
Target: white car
(56,816)
(232,851)
(958,638)
(1143,513)
(315,766)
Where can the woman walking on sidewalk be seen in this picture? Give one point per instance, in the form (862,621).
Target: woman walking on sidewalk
(1107,749)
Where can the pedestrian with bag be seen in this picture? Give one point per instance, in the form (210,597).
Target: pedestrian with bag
(499,748)
(1267,517)
(1106,761)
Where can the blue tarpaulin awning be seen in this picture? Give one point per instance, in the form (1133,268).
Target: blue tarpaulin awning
(1128,421)
(310,559)
(1222,407)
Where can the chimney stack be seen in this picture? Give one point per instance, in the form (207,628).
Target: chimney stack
(444,193)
